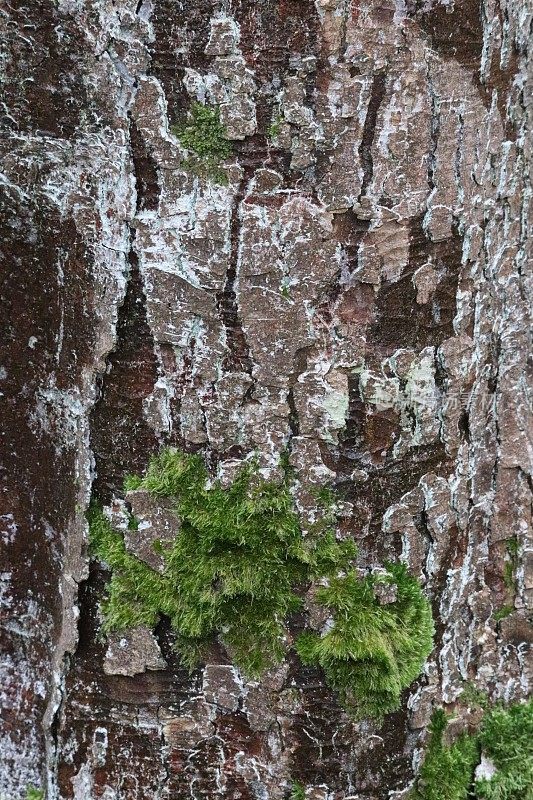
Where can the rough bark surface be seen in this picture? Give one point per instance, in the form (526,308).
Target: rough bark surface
(358,293)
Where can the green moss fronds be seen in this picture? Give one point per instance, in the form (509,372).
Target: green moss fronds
(274,129)
(502,613)
(239,568)
(205,137)
(135,591)
(505,738)
(34,794)
(371,651)
(232,569)
(448,771)
(297,791)
(132,482)
(473,696)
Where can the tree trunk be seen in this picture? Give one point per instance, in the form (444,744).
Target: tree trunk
(355,290)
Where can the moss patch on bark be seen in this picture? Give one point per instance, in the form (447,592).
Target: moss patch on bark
(373,649)
(503,745)
(205,138)
(239,568)
(34,794)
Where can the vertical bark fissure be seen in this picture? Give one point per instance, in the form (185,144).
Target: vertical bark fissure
(435,125)
(238,357)
(377,93)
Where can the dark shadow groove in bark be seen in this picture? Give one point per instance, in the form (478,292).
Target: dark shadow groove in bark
(377,93)
(121,439)
(146,177)
(237,358)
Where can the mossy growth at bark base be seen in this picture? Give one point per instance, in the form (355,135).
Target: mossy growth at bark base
(371,650)
(205,137)
(493,763)
(240,566)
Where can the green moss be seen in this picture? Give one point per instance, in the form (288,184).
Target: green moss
(508,576)
(238,569)
(324,496)
(371,651)
(448,771)
(297,791)
(502,613)
(474,696)
(204,136)
(133,523)
(233,568)
(34,794)
(132,482)
(512,547)
(285,464)
(505,737)
(274,129)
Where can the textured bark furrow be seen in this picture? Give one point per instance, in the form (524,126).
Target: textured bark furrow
(377,92)
(238,358)
(121,438)
(146,178)
(358,295)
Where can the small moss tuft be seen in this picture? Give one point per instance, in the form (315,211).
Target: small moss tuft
(371,651)
(502,613)
(324,496)
(274,129)
(297,791)
(205,137)
(34,794)
(232,569)
(505,738)
(132,482)
(474,696)
(448,771)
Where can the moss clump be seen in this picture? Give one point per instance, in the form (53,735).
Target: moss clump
(132,482)
(371,651)
(238,569)
(34,794)
(502,613)
(472,696)
(448,771)
(297,791)
(233,568)
(505,737)
(274,129)
(205,137)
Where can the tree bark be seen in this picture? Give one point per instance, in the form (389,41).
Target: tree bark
(357,294)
